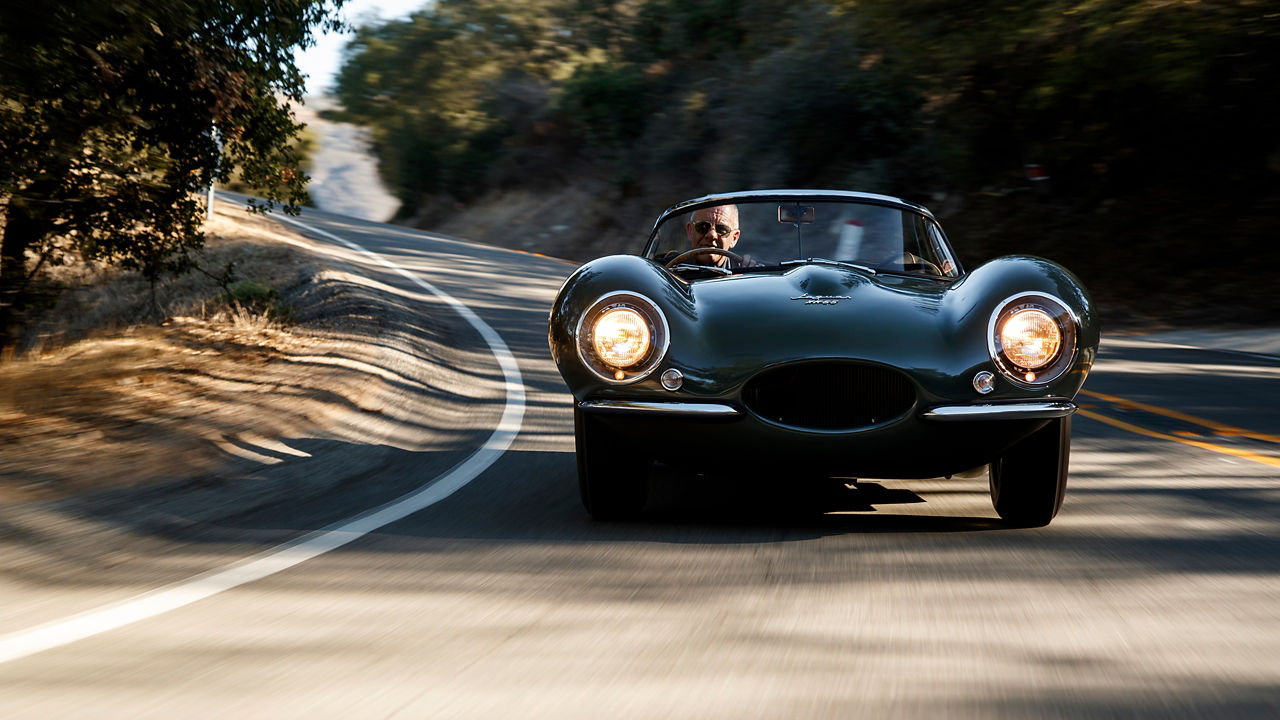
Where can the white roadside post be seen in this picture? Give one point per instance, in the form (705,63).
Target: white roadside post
(208,205)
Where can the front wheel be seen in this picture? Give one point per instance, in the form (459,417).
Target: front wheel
(612,481)
(1029,481)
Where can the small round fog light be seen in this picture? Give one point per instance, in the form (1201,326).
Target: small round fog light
(672,379)
(984,382)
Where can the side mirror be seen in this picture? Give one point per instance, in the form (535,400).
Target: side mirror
(795,214)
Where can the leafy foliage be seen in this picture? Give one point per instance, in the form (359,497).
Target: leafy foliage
(1118,92)
(469,96)
(1109,94)
(1151,116)
(107,117)
(256,298)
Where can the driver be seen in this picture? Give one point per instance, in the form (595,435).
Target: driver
(714,227)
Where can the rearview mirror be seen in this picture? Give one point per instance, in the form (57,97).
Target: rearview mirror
(795,214)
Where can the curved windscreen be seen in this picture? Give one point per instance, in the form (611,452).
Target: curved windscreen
(774,232)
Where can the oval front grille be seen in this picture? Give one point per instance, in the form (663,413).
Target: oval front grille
(833,395)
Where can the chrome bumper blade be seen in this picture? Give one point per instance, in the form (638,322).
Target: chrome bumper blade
(1015,411)
(660,408)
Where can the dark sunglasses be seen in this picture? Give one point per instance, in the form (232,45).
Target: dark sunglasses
(702,226)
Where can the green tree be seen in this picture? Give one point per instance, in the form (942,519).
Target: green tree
(107,117)
(1109,94)
(444,88)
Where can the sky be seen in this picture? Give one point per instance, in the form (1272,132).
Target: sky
(321,62)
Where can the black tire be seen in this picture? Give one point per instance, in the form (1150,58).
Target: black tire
(1029,481)
(611,488)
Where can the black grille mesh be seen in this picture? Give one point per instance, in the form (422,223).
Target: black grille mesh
(834,395)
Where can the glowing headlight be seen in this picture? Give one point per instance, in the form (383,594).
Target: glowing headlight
(1030,338)
(620,337)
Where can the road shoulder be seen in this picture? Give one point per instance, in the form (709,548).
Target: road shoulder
(187,427)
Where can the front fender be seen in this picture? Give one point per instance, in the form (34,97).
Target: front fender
(587,284)
(971,302)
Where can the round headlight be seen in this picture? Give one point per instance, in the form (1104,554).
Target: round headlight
(1030,338)
(620,337)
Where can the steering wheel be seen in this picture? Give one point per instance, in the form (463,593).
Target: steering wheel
(703,251)
(906,258)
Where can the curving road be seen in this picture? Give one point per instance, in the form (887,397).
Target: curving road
(1152,595)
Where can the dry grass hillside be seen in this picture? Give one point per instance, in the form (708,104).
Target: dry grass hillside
(103,396)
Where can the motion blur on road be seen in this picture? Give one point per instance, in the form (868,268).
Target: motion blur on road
(1151,595)
(426,555)
(344,173)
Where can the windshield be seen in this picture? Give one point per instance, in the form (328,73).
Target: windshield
(771,233)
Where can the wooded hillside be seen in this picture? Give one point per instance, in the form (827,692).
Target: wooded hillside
(1155,122)
(116,117)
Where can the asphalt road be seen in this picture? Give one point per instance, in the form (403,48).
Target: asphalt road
(1153,594)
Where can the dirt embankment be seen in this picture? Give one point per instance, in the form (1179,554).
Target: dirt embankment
(103,401)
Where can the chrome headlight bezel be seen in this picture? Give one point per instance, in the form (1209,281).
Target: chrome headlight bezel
(1068,325)
(659,337)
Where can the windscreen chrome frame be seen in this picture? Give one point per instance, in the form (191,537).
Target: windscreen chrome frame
(760,196)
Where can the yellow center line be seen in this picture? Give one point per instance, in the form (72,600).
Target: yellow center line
(1202,422)
(1265,460)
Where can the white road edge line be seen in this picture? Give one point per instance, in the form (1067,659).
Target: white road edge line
(24,643)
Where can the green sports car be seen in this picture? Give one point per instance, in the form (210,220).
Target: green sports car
(830,331)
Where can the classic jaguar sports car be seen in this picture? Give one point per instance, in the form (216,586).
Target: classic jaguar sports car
(829,332)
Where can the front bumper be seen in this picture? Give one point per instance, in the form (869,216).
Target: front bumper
(684,409)
(936,441)
(1010,411)
(943,413)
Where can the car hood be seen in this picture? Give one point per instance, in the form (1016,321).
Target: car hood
(736,325)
